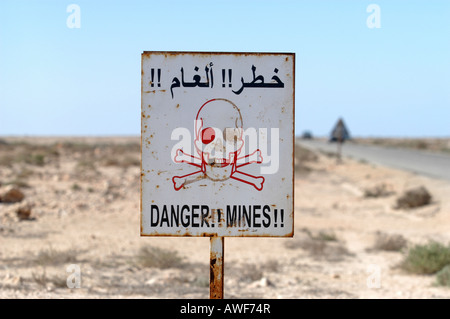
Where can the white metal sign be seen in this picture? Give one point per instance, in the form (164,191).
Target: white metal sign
(217,136)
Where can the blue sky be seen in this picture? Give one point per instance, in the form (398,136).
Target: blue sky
(388,81)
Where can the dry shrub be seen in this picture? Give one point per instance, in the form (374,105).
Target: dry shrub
(443,277)
(381,190)
(303,156)
(321,246)
(124,161)
(32,154)
(85,165)
(158,258)
(250,272)
(325,236)
(17,182)
(51,256)
(42,279)
(427,259)
(86,170)
(326,250)
(271,265)
(201,281)
(389,242)
(413,198)
(321,235)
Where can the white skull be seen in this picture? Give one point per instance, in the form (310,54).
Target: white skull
(218,137)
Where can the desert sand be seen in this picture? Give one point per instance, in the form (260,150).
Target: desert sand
(82,196)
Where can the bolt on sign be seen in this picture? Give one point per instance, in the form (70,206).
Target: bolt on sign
(217,134)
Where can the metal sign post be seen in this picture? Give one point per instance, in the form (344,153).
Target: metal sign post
(217,147)
(339,150)
(216,268)
(339,134)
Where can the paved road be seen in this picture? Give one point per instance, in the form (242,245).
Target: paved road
(435,165)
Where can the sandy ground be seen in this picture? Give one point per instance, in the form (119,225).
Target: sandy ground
(85,212)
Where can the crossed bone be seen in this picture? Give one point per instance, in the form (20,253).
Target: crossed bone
(253,158)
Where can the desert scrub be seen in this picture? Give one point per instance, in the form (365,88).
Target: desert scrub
(325,236)
(35,159)
(75,187)
(84,165)
(302,157)
(50,256)
(158,258)
(443,277)
(427,259)
(32,159)
(380,190)
(389,242)
(413,198)
(322,245)
(43,280)
(123,162)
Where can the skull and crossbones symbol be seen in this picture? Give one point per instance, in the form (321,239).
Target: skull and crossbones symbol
(219,142)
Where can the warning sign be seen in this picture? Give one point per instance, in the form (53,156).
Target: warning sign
(217,133)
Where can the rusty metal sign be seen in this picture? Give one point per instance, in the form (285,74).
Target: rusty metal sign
(217,134)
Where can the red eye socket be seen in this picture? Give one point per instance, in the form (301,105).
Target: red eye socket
(208,135)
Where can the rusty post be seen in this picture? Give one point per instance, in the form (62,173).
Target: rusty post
(216,268)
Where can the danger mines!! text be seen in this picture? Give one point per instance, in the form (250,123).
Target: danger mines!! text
(255,216)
